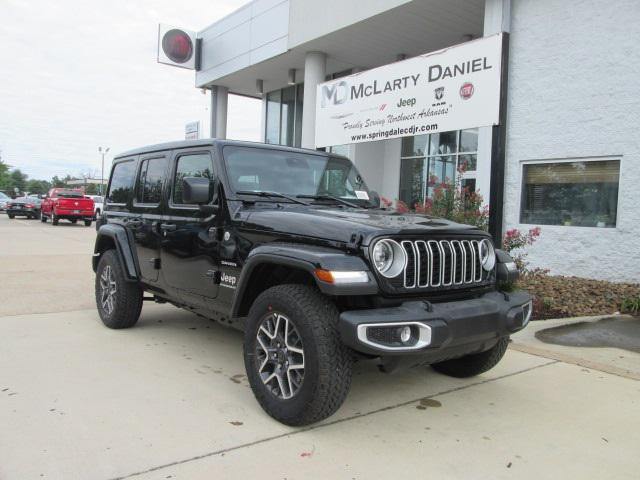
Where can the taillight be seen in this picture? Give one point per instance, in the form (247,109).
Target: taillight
(28,205)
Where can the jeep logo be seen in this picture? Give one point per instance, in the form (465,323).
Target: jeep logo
(409,102)
(334,94)
(228,279)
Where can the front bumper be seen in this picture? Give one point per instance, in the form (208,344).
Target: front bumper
(447,330)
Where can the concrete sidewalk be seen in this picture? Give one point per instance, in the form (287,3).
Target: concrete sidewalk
(169,399)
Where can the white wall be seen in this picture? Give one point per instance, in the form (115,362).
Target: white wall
(250,35)
(310,19)
(573,93)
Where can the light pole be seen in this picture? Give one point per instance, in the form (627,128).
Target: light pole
(103,152)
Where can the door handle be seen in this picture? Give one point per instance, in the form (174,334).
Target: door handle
(168,227)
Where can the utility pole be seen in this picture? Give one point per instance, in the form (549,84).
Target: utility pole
(103,151)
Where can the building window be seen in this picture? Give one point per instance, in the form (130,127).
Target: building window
(283,124)
(429,160)
(580,193)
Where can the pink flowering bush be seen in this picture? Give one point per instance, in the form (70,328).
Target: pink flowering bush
(514,242)
(450,201)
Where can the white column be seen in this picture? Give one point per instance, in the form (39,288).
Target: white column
(315,70)
(219,99)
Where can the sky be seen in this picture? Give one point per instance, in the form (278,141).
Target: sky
(79,74)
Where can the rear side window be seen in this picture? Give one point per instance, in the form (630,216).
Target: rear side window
(152,172)
(121,182)
(192,165)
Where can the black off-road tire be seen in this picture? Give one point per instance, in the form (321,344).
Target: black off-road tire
(328,362)
(54,219)
(475,364)
(127,299)
(11,216)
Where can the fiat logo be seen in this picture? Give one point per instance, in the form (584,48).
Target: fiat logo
(466,90)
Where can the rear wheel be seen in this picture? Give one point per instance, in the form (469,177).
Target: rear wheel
(298,368)
(119,302)
(54,219)
(87,223)
(43,219)
(10,215)
(74,220)
(475,364)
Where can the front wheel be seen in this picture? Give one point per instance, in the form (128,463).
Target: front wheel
(475,364)
(11,216)
(298,368)
(43,219)
(119,302)
(54,219)
(37,215)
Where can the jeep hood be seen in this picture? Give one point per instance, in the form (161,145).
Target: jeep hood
(340,224)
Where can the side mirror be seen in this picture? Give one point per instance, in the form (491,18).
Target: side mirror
(199,191)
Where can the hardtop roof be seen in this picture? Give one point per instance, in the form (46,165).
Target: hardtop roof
(212,142)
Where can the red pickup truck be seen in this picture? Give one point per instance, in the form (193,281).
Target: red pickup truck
(67,204)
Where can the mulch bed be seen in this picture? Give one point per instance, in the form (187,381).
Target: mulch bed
(561,297)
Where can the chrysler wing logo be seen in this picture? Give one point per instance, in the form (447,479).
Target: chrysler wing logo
(334,94)
(439,93)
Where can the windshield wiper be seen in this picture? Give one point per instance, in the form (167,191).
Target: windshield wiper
(330,197)
(262,193)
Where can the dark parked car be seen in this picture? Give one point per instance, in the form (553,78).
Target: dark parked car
(291,247)
(24,207)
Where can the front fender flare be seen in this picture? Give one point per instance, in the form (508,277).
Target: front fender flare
(306,258)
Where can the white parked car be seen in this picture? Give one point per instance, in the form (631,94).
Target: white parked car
(4,198)
(97,201)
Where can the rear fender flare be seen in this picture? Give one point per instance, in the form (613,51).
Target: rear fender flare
(116,235)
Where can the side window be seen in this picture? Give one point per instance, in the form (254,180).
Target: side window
(191,165)
(152,172)
(121,182)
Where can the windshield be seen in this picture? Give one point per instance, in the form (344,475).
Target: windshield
(293,173)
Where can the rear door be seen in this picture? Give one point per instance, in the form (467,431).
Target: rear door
(146,213)
(190,246)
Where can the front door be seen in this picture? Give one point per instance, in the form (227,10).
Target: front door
(190,245)
(146,213)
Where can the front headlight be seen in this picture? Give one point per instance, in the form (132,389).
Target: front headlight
(388,258)
(487,255)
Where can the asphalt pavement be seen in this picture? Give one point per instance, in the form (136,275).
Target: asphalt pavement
(169,398)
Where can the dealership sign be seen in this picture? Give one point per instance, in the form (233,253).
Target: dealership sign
(451,89)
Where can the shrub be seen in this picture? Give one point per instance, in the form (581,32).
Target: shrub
(631,305)
(450,201)
(514,242)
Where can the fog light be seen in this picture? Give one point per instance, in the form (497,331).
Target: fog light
(405,334)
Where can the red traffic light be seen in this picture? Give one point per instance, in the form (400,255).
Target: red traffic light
(177,46)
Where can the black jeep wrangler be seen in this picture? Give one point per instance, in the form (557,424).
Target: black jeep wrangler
(290,246)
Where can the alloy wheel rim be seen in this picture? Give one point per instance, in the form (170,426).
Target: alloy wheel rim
(108,288)
(280,355)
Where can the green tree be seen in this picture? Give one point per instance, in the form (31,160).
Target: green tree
(92,189)
(5,179)
(18,180)
(38,186)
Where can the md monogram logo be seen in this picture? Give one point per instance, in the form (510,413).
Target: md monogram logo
(334,94)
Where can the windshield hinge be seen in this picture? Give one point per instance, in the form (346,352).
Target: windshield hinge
(354,242)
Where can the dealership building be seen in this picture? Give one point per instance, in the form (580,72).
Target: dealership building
(536,99)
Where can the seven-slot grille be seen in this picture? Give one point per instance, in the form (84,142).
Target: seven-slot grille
(442,263)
